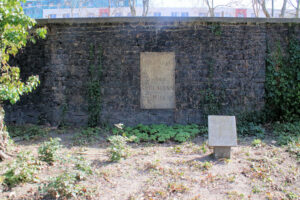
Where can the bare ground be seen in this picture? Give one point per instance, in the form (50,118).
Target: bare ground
(174,171)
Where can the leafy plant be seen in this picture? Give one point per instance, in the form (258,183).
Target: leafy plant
(22,169)
(286,132)
(251,129)
(161,132)
(283,83)
(65,186)
(83,166)
(256,143)
(27,132)
(48,150)
(118,148)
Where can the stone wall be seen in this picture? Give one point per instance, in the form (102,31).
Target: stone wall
(220,68)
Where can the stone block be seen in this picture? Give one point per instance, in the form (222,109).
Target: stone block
(222,135)
(222,152)
(222,131)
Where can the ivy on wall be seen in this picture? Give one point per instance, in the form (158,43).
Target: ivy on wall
(283,82)
(94,85)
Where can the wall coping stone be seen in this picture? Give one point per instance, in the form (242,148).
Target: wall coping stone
(116,20)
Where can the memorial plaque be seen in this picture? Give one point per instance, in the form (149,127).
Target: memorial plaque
(222,131)
(157,80)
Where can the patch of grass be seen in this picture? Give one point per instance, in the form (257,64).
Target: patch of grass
(28,132)
(48,150)
(231,179)
(86,136)
(202,166)
(255,190)
(177,187)
(23,169)
(294,148)
(234,195)
(291,196)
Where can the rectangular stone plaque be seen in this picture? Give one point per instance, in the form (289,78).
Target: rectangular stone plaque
(222,131)
(157,80)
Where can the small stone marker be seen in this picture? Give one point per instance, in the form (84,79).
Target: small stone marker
(222,135)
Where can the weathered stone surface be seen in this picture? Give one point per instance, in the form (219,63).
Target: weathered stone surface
(157,80)
(222,131)
(222,152)
(231,64)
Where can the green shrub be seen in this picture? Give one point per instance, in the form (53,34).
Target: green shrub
(83,167)
(118,148)
(48,150)
(64,186)
(22,169)
(161,132)
(283,83)
(251,129)
(27,132)
(286,132)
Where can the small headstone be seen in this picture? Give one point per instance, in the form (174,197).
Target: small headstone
(222,135)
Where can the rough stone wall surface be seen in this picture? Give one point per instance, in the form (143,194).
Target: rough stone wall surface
(220,69)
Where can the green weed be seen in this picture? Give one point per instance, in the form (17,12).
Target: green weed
(287,132)
(256,143)
(28,132)
(86,136)
(118,148)
(65,186)
(251,129)
(23,169)
(160,133)
(48,150)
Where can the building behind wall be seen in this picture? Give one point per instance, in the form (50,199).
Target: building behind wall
(112,8)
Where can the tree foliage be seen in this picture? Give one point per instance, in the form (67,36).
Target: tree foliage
(15,32)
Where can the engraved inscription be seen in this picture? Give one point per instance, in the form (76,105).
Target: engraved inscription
(157,80)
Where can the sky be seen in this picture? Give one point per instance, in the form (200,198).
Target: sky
(194,3)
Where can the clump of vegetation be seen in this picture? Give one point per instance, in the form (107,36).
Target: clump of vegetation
(282,83)
(294,148)
(251,129)
(48,150)
(256,143)
(23,169)
(118,148)
(161,133)
(86,136)
(65,186)
(286,132)
(27,132)
(83,167)
(14,29)
(94,85)
(177,188)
